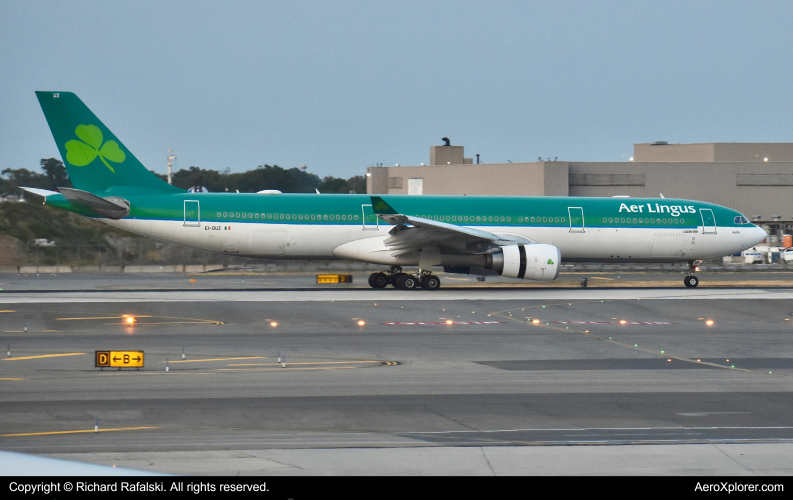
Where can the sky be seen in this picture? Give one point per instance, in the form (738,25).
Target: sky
(340,86)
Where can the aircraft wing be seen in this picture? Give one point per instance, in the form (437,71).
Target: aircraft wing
(414,233)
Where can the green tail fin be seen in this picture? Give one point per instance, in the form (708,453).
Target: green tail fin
(95,159)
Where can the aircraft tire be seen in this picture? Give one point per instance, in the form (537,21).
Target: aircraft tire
(395,279)
(430,282)
(407,282)
(378,280)
(691,281)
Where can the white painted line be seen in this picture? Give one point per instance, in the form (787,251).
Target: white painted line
(546,295)
(583,429)
(706,413)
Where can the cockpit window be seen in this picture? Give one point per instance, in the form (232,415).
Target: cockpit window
(741,220)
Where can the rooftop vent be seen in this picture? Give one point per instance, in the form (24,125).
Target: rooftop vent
(659,143)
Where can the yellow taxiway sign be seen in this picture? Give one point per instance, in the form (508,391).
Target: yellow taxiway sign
(119,359)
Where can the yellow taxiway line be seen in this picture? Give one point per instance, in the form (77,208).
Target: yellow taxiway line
(307,363)
(100,317)
(76,432)
(213,359)
(45,356)
(280,368)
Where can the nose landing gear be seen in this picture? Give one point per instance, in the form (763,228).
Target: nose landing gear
(691,281)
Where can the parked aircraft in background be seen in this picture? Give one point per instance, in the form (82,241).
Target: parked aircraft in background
(516,237)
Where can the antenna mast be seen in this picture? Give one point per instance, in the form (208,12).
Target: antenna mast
(171,158)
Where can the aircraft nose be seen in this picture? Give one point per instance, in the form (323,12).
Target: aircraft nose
(758,235)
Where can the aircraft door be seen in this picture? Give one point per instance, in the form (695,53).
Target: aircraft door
(576,219)
(192,213)
(708,221)
(370,220)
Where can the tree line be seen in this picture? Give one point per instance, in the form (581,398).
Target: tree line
(294,180)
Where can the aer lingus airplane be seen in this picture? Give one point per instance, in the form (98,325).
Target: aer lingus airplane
(516,237)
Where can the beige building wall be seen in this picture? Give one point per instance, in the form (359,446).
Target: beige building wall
(674,152)
(714,151)
(764,189)
(755,188)
(448,155)
(500,179)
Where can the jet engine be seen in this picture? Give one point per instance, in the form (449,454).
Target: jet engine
(538,262)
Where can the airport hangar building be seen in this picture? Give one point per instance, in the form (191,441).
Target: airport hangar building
(754,178)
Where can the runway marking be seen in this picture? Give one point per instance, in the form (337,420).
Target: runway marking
(213,359)
(76,432)
(322,295)
(706,413)
(305,363)
(45,356)
(12,379)
(101,317)
(403,323)
(584,429)
(7,311)
(123,316)
(159,323)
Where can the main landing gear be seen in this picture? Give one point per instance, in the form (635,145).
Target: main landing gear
(690,280)
(394,276)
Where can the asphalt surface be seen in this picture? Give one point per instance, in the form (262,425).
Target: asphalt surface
(399,383)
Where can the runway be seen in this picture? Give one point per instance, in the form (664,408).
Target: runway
(541,381)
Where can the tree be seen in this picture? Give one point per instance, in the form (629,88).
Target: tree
(357,184)
(332,184)
(55,172)
(54,176)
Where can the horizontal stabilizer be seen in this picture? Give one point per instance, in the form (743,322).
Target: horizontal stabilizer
(111,207)
(40,192)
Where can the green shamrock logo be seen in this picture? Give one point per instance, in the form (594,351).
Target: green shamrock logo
(550,262)
(81,153)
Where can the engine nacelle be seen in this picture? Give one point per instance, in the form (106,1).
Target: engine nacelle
(538,262)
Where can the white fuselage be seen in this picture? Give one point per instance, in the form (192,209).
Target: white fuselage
(353,242)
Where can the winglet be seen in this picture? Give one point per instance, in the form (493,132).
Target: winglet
(380,207)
